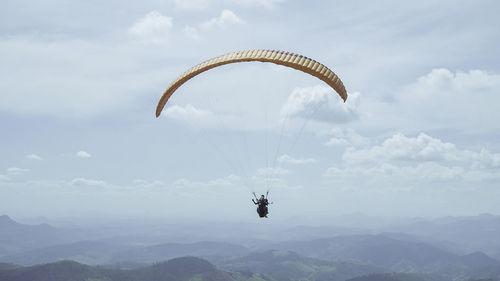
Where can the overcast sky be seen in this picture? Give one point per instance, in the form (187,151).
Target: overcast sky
(418,135)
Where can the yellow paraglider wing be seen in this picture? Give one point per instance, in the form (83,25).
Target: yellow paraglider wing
(292,60)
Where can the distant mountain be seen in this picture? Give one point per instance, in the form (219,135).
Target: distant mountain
(398,277)
(286,265)
(393,254)
(167,251)
(396,255)
(87,252)
(65,270)
(269,265)
(108,253)
(478,260)
(6,266)
(441,244)
(16,237)
(180,269)
(472,233)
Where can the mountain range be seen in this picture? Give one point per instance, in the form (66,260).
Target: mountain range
(180,269)
(47,250)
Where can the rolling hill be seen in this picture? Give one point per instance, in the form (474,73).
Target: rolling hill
(286,265)
(180,269)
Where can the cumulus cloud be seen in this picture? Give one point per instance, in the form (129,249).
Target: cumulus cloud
(285,158)
(271,172)
(203,118)
(402,148)
(268,4)
(421,148)
(228,181)
(190,115)
(347,136)
(191,32)
(427,171)
(83,154)
(422,159)
(224,20)
(272,177)
(149,184)
(191,4)
(34,157)
(185,112)
(87,182)
(484,158)
(322,104)
(461,99)
(15,171)
(152,28)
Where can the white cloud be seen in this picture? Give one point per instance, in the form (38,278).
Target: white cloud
(227,18)
(228,181)
(421,148)
(446,99)
(484,158)
(203,4)
(191,4)
(272,178)
(34,157)
(322,104)
(190,115)
(186,112)
(429,173)
(420,160)
(346,136)
(149,184)
(152,28)
(15,171)
(270,172)
(191,32)
(337,141)
(424,171)
(83,154)
(204,118)
(403,148)
(268,4)
(295,161)
(87,182)
(4,178)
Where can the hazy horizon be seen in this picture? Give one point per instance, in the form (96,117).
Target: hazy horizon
(360,221)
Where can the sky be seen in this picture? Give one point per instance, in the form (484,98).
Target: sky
(417,136)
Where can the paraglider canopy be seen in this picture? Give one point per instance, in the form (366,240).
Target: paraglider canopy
(288,59)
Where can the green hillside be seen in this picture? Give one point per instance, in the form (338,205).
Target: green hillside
(286,265)
(179,269)
(398,277)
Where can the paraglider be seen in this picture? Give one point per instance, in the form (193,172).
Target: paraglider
(262,203)
(287,59)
